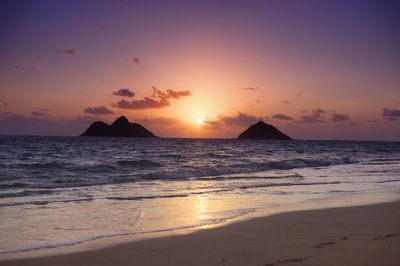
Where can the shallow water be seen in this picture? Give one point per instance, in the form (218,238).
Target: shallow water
(58,191)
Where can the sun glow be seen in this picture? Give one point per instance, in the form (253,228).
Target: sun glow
(200,120)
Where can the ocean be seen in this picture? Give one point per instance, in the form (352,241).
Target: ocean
(60,191)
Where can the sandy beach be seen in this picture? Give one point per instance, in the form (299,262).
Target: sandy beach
(361,235)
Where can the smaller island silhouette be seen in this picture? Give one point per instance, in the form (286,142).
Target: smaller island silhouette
(262,130)
(120,128)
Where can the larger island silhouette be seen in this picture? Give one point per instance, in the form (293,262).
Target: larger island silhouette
(121,127)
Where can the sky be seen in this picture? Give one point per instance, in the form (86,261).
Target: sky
(202,69)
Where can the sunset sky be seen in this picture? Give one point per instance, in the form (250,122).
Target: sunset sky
(314,69)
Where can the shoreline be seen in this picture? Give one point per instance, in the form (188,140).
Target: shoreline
(367,234)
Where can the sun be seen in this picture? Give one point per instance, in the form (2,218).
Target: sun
(200,120)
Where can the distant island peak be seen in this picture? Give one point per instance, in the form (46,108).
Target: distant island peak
(121,127)
(262,130)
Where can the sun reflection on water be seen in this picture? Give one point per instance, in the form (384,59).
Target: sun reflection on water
(202,208)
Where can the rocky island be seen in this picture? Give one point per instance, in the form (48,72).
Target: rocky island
(262,130)
(120,128)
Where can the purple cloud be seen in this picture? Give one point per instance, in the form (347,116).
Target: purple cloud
(145,103)
(136,60)
(98,110)
(69,51)
(35,113)
(319,111)
(391,114)
(287,102)
(309,119)
(315,117)
(124,92)
(339,118)
(281,117)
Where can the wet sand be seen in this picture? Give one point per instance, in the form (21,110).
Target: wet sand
(361,235)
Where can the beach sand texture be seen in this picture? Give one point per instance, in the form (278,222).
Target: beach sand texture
(361,235)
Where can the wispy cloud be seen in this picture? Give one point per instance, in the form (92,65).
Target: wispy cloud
(98,110)
(158,121)
(320,111)
(240,119)
(391,114)
(37,113)
(69,51)
(339,118)
(125,92)
(136,60)
(249,88)
(212,123)
(315,117)
(286,102)
(159,99)
(281,117)
(24,68)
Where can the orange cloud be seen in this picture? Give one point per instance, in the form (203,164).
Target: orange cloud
(281,117)
(98,110)
(240,119)
(158,100)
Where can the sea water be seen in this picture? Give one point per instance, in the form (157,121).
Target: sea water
(57,191)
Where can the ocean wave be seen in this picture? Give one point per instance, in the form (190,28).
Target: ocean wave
(302,163)
(12,185)
(225,178)
(289,184)
(42,202)
(154,171)
(387,181)
(25,193)
(148,197)
(219,172)
(44,165)
(183,195)
(59,174)
(138,163)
